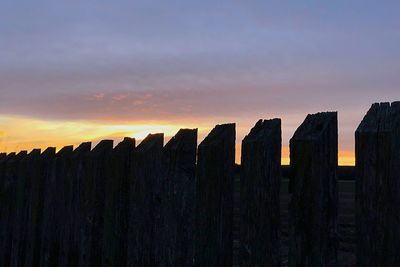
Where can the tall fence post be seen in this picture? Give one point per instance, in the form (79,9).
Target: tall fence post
(24,184)
(144,202)
(8,212)
(92,204)
(378,187)
(313,183)
(115,247)
(214,198)
(259,195)
(178,196)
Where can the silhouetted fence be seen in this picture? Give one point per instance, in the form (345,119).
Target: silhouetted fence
(155,205)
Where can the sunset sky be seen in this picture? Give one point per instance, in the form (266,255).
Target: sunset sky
(74,71)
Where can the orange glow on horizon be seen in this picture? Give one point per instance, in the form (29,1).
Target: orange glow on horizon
(20,133)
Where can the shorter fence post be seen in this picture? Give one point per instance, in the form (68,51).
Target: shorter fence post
(53,203)
(92,189)
(40,173)
(259,196)
(24,185)
(214,198)
(70,229)
(144,202)
(116,205)
(178,195)
(8,213)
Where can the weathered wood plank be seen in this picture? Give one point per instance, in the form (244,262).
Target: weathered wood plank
(378,187)
(8,196)
(24,184)
(177,199)
(40,173)
(69,210)
(144,204)
(54,200)
(313,237)
(259,196)
(91,207)
(115,247)
(214,197)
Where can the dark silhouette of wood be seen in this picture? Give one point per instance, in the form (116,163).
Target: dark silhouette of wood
(91,205)
(214,197)
(53,205)
(115,247)
(152,206)
(75,171)
(313,207)
(378,187)
(144,203)
(20,229)
(259,196)
(10,168)
(40,172)
(177,199)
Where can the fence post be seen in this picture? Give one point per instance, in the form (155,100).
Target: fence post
(92,189)
(178,195)
(8,212)
(53,203)
(144,202)
(24,184)
(40,172)
(74,173)
(313,239)
(259,195)
(378,187)
(214,198)
(116,204)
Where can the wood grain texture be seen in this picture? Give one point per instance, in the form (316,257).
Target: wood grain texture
(10,169)
(20,229)
(378,186)
(115,246)
(313,209)
(40,172)
(91,206)
(71,190)
(53,208)
(178,199)
(259,196)
(144,203)
(214,197)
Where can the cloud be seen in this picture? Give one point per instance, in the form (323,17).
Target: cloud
(168,105)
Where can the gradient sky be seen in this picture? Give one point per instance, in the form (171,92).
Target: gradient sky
(73,71)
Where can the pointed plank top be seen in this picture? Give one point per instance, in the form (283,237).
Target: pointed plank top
(178,138)
(314,125)
(127,143)
(151,141)
(381,117)
(263,129)
(219,132)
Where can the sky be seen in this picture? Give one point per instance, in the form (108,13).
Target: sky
(75,71)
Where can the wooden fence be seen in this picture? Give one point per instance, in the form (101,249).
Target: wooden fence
(187,205)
